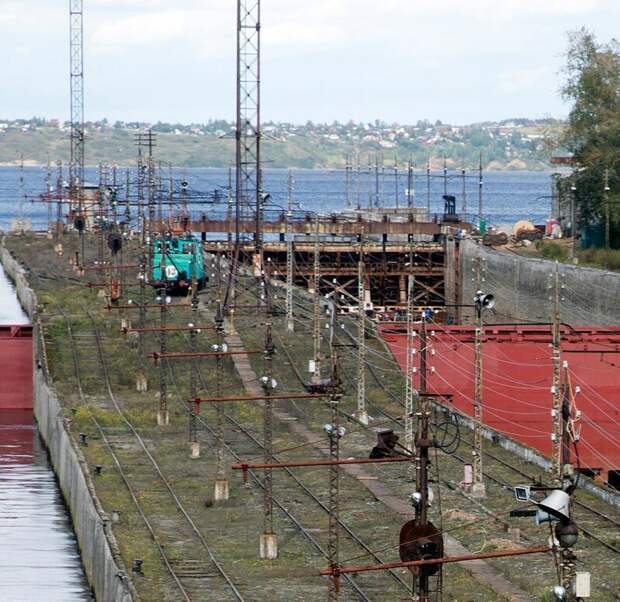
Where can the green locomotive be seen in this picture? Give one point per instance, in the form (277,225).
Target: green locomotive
(181,256)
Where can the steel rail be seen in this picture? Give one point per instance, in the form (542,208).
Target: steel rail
(178,503)
(358,590)
(302,485)
(126,481)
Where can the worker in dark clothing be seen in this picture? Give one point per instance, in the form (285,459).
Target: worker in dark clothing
(386,442)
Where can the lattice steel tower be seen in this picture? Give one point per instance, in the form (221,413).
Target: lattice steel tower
(248,134)
(76,44)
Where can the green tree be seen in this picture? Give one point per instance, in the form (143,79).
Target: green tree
(593,133)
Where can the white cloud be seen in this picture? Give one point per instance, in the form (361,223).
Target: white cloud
(323,59)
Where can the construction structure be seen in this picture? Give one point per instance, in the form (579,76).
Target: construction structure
(76,73)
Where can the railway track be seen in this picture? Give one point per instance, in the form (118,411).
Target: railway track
(195,572)
(584,507)
(256,447)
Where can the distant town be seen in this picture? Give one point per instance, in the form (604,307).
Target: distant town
(509,144)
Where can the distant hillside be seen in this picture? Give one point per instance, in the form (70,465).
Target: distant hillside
(506,145)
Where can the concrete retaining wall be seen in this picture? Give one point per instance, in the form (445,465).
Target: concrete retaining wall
(98,548)
(521,288)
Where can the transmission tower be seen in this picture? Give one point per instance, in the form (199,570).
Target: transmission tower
(76,52)
(248,110)
(248,201)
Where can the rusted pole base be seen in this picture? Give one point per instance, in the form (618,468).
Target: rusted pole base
(163,418)
(141,383)
(194,448)
(220,492)
(268,546)
(478,490)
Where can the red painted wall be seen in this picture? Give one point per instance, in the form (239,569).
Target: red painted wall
(517,374)
(16,368)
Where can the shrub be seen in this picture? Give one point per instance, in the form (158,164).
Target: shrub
(554,251)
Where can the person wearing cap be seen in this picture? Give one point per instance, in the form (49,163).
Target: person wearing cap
(386,443)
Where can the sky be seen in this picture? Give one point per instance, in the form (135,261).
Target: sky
(460,61)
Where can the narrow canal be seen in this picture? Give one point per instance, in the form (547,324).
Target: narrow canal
(39,558)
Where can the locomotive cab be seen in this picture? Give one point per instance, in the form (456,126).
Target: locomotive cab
(181,257)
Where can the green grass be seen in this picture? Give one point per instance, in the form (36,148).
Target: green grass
(608,259)
(553,251)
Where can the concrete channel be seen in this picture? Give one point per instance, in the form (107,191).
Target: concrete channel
(98,549)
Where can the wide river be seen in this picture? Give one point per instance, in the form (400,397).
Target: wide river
(508,196)
(39,558)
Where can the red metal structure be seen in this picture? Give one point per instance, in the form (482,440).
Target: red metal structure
(517,377)
(16,367)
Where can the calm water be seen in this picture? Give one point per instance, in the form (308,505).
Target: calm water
(39,559)
(507,196)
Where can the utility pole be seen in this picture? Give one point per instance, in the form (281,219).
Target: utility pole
(334,432)
(194,444)
(362,413)
(478,487)
(423,444)
(464,191)
(50,191)
(358,176)
(606,202)
(480,184)
(290,325)
(369,182)
(377,193)
(22,195)
(58,231)
(152,198)
(141,166)
(348,168)
(221,489)
(556,389)
(396,182)
(316,375)
(410,392)
(268,539)
(410,184)
(428,187)
(127,203)
(573,225)
(141,380)
(163,417)
(76,72)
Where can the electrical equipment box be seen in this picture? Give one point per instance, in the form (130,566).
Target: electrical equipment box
(582,585)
